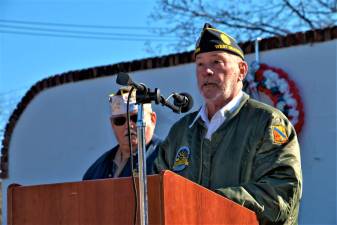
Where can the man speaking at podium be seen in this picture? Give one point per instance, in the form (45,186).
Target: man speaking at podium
(240,148)
(116,162)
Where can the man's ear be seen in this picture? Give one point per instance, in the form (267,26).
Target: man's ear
(243,68)
(153,117)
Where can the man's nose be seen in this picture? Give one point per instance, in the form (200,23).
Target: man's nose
(209,71)
(132,124)
(206,70)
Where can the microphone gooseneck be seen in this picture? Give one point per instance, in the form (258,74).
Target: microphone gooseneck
(182,102)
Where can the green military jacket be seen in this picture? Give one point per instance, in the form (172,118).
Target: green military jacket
(253,159)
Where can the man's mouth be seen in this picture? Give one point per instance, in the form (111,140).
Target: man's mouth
(133,133)
(209,83)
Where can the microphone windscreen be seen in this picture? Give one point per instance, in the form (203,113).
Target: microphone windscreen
(123,79)
(189,103)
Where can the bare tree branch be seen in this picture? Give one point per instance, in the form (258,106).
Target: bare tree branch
(299,14)
(332,6)
(244,20)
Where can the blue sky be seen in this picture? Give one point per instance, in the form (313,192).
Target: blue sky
(26,59)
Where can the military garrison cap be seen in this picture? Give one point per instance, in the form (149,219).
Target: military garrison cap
(212,39)
(118,101)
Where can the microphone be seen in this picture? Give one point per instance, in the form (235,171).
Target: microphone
(183,100)
(125,80)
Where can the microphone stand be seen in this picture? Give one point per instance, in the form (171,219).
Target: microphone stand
(142,166)
(144,95)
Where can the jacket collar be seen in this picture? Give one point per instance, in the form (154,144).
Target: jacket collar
(229,109)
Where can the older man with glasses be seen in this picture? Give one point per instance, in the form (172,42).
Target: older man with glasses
(116,162)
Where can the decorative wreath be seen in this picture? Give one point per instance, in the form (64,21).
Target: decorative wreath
(283,93)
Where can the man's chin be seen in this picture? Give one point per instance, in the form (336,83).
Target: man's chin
(134,145)
(134,140)
(210,91)
(210,96)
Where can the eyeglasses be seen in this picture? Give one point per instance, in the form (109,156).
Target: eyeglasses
(120,121)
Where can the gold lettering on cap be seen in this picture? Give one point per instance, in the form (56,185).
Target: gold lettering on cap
(230,48)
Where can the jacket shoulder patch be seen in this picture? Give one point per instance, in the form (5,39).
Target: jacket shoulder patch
(279,134)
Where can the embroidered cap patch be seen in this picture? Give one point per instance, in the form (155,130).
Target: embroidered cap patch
(181,159)
(279,134)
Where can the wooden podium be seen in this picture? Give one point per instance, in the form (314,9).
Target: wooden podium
(172,200)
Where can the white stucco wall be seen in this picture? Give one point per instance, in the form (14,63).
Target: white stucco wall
(64,129)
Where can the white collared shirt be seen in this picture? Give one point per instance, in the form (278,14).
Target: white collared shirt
(219,117)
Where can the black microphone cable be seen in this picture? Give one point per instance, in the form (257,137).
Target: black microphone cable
(131,159)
